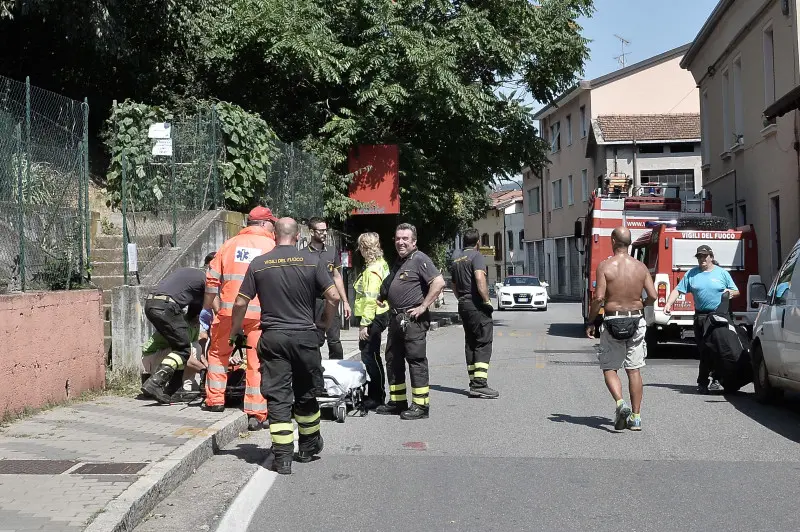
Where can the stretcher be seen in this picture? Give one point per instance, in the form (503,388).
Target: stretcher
(345,383)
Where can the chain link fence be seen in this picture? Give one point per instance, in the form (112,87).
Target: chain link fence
(44,193)
(294,183)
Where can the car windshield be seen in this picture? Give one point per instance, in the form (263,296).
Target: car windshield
(521,281)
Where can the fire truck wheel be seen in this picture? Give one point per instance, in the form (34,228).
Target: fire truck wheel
(651,339)
(765,392)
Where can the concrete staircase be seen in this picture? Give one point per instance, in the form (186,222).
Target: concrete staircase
(107,273)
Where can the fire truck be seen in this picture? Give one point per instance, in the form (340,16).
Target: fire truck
(645,211)
(668,251)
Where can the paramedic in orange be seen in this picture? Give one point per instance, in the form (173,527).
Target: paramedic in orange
(225,275)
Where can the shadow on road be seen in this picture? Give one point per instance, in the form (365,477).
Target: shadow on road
(248,452)
(783,418)
(686,389)
(674,351)
(567,330)
(447,389)
(595,422)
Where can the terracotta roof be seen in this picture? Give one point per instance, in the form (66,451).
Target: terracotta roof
(504,197)
(616,128)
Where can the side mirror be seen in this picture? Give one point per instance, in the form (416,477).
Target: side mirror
(578,230)
(758,294)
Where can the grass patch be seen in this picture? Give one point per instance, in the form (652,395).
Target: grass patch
(123,383)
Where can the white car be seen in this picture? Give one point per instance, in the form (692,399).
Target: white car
(775,350)
(522,291)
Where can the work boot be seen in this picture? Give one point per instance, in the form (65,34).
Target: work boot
(415,412)
(253,424)
(213,408)
(306,456)
(154,387)
(185,396)
(391,409)
(484,392)
(282,465)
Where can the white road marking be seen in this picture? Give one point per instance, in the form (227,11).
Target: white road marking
(240,513)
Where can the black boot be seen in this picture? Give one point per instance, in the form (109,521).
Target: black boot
(306,456)
(282,465)
(481,390)
(391,409)
(253,424)
(185,396)
(415,412)
(154,387)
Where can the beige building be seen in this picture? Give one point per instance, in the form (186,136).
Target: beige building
(642,121)
(744,61)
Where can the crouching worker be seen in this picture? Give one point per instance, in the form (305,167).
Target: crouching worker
(164,308)
(184,386)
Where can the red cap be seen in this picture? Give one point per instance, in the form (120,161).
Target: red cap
(262,213)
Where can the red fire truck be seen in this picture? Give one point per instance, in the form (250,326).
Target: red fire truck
(668,250)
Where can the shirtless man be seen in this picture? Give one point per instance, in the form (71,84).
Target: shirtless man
(621,279)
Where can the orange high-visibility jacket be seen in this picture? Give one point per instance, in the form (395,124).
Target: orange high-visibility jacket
(226,272)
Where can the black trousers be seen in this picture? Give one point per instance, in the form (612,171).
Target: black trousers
(706,368)
(407,343)
(371,357)
(478,336)
(335,351)
(168,319)
(291,377)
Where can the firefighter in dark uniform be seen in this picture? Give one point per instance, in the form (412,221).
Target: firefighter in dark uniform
(288,281)
(411,288)
(164,307)
(475,309)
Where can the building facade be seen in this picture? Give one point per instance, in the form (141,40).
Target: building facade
(582,155)
(744,60)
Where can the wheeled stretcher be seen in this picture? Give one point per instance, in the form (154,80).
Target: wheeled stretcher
(345,383)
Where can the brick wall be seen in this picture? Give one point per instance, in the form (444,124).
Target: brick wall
(52,347)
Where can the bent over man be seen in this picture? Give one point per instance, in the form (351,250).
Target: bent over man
(287,282)
(412,286)
(164,307)
(621,279)
(224,277)
(475,309)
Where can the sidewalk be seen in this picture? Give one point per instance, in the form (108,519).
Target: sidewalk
(102,465)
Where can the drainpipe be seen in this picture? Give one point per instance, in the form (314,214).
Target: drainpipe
(636,181)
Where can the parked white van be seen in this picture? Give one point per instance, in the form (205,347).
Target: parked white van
(776,333)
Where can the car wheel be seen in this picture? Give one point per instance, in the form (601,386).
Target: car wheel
(765,392)
(544,309)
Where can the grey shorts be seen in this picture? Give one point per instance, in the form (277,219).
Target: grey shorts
(617,354)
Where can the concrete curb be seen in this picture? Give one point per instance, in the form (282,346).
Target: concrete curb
(436,323)
(125,512)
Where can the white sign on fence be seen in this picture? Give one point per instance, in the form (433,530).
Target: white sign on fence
(162,130)
(163,147)
(133,258)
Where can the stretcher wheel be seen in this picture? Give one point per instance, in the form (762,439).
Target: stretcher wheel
(341,413)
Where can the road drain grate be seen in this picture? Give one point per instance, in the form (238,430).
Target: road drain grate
(573,363)
(119,468)
(35,467)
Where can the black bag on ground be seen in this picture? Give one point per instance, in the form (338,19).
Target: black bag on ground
(729,347)
(623,328)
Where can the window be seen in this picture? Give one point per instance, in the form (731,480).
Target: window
(584,186)
(651,148)
(534,206)
(730,215)
(570,193)
(704,139)
(583,122)
(726,110)
(510,236)
(742,214)
(682,147)
(769,68)
(781,288)
(569,130)
(555,137)
(738,103)
(521,240)
(669,178)
(498,247)
(775,231)
(485,240)
(558,200)
(498,270)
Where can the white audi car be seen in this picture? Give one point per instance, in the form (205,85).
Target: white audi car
(522,291)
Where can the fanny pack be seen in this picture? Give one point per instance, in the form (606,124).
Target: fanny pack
(623,328)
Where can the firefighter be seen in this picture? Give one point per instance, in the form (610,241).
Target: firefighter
(411,288)
(164,307)
(475,309)
(224,277)
(373,319)
(328,256)
(288,282)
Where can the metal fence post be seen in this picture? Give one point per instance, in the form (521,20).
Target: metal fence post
(21,209)
(87,212)
(172,187)
(214,156)
(81,218)
(124,217)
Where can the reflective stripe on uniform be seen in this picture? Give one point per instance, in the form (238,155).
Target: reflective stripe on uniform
(213,368)
(481,370)
(282,433)
(214,384)
(397,393)
(212,290)
(307,425)
(213,273)
(173,360)
(420,395)
(471,369)
(250,308)
(255,407)
(252,390)
(233,277)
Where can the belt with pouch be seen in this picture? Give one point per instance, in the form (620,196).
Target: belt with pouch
(162,298)
(623,313)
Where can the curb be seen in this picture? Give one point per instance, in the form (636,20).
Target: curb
(436,323)
(128,510)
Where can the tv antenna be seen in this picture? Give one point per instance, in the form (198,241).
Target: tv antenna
(623,42)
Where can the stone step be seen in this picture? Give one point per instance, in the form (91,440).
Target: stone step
(107,297)
(107,345)
(106,282)
(108,242)
(107,255)
(104,269)
(107,328)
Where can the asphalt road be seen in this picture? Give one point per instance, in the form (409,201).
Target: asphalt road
(544,456)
